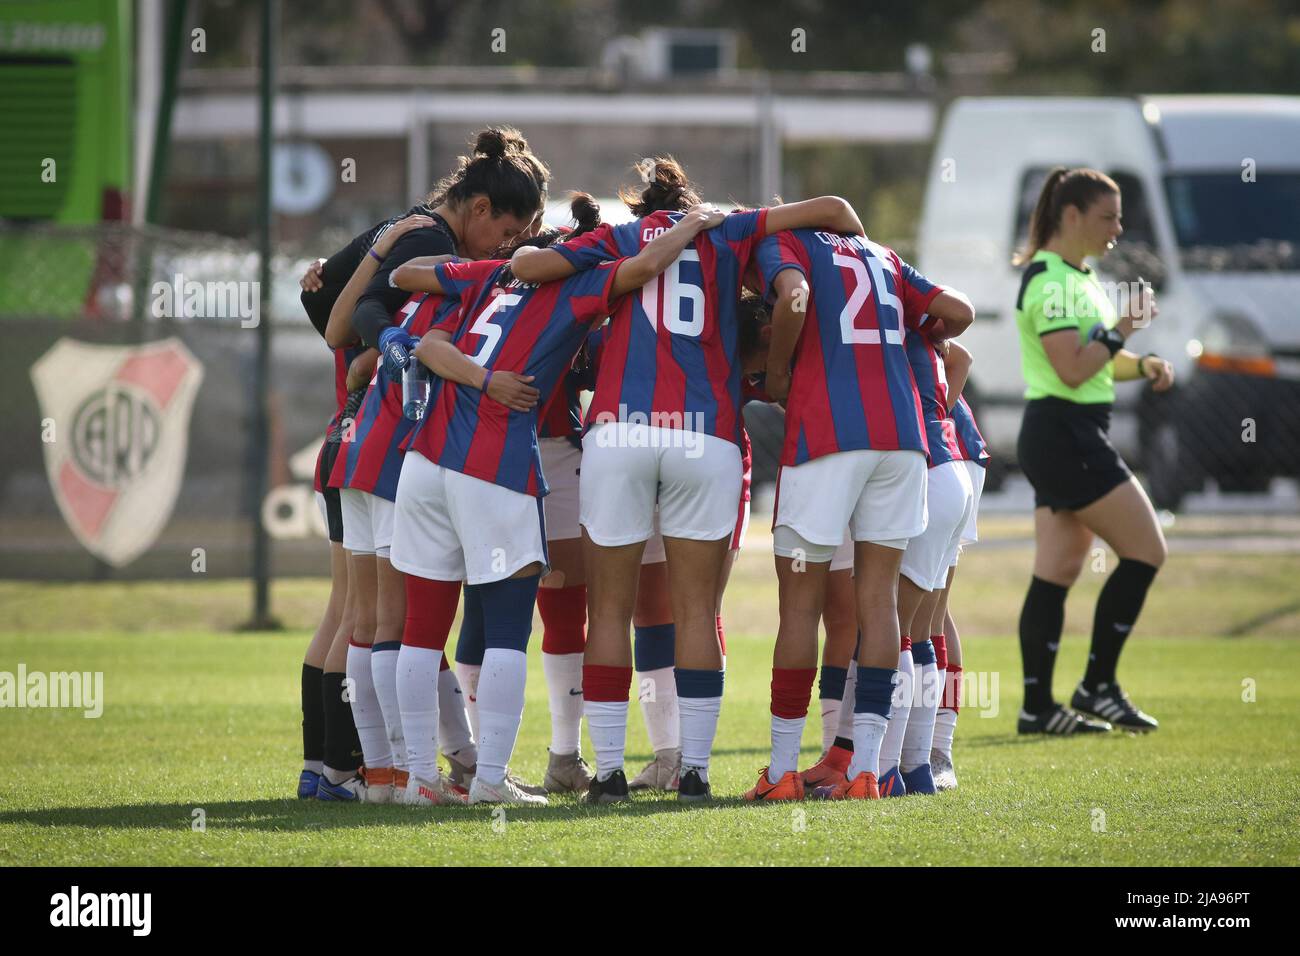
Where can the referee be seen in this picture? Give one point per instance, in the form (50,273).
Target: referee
(1072,353)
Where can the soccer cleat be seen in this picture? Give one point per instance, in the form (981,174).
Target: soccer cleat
(789,787)
(1059,721)
(945,777)
(920,781)
(507,791)
(431,793)
(692,788)
(892,784)
(308,784)
(567,773)
(351,790)
(461,773)
(379,784)
(1110,703)
(861,787)
(528,788)
(613,789)
(829,770)
(662,773)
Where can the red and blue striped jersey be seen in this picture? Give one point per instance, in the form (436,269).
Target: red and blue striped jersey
(932,386)
(372,461)
(670,354)
(970,443)
(342,360)
(851,386)
(517,327)
(562,415)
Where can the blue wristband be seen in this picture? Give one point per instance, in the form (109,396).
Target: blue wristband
(487,378)
(378,258)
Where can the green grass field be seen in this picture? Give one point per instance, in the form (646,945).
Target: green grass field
(199,717)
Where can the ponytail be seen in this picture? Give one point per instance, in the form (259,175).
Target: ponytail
(666,187)
(1063,187)
(585,212)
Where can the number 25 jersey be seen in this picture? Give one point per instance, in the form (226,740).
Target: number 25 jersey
(851,386)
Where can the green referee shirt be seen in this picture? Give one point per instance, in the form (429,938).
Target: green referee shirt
(1054,295)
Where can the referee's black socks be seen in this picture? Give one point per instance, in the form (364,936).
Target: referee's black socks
(1041,621)
(1118,607)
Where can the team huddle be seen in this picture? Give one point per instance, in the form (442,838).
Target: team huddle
(461,460)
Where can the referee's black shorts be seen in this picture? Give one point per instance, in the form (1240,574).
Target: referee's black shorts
(333,506)
(1065,451)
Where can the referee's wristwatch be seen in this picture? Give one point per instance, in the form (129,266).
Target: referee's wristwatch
(1113,339)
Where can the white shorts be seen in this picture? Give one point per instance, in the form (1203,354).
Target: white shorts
(324,508)
(561,461)
(367,522)
(454,527)
(843,559)
(976,473)
(627,468)
(878,495)
(930,554)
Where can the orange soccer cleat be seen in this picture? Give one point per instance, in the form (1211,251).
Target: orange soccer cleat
(789,787)
(861,787)
(828,771)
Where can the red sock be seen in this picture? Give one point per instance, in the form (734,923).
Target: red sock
(354,643)
(430,609)
(564,619)
(904,644)
(603,683)
(791,691)
(952,688)
(839,758)
(940,643)
(722,638)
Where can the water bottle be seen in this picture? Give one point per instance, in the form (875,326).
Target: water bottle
(415,390)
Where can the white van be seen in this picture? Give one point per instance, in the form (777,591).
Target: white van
(1211,195)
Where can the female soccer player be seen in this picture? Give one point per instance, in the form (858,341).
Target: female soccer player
(329,732)
(853,423)
(664,430)
(467,503)
(491,196)
(1072,352)
(943,629)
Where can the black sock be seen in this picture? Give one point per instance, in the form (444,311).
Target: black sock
(342,745)
(844,743)
(1041,621)
(1118,607)
(313,714)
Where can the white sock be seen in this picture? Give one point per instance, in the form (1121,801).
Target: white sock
(500,710)
(900,712)
(920,726)
(454,733)
(699,721)
(365,710)
(945,722)
(845,728)
(607,725)
(868,731)
(830,721)
(468,675)
(564,684)
(786,735)
(416,684)
(383,673)
(315,766)
(657,690)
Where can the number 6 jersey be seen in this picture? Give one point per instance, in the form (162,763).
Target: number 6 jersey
(670,353)
(852,385)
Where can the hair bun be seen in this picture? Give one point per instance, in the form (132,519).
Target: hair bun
(585,211)
(496,142)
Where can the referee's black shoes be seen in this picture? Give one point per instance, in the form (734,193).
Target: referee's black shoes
(1060,721)
(1110,703)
